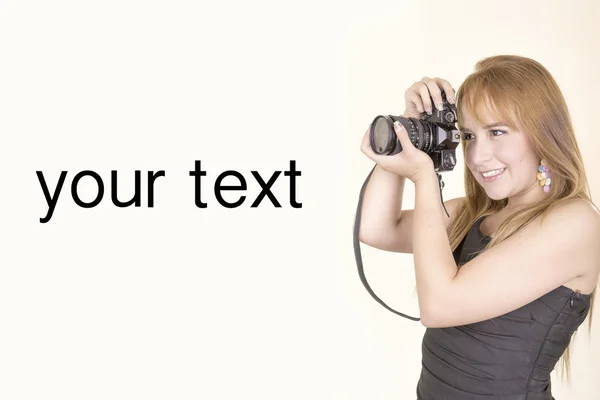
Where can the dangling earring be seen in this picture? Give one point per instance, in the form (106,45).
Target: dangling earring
(543,176)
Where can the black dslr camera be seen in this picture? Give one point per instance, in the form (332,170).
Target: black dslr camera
(435,134)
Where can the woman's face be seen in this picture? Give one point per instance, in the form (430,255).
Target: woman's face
(496,147)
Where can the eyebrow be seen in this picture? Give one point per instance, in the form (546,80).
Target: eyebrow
(493,124)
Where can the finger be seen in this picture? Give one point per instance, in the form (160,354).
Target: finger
(403,136)
(366,148)
(450,93)
(436,93)
(366,141)
(414,97)
(425,96)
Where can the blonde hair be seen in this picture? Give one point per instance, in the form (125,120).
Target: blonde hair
(526,97)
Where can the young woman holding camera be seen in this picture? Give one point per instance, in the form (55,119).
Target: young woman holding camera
(505,282)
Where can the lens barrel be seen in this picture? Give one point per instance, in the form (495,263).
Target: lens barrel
(384,140)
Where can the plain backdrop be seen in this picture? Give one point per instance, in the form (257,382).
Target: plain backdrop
(180,302)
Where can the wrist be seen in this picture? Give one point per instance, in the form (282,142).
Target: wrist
(428,174)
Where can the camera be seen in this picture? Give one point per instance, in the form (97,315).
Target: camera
(435,134)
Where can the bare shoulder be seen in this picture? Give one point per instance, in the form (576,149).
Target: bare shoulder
(574,215)
(578,213)
(583,217)
(580,218)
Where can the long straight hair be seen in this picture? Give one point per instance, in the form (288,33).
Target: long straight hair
(526,97)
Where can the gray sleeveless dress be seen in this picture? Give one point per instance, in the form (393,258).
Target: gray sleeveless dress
(509,357)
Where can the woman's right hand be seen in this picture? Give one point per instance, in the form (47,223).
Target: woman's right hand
(418,99)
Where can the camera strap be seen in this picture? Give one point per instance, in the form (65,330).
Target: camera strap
(357,254)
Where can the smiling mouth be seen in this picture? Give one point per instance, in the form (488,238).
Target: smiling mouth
(493,173)
(496,174)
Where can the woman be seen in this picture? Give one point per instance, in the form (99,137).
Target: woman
(505,281)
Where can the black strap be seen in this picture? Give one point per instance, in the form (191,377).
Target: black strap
(357,253)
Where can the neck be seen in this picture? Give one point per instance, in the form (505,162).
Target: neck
(532,195)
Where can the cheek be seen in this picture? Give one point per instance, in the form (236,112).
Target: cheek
(511,155)
(469,162)
(472,167)
(519,159)
(468,156)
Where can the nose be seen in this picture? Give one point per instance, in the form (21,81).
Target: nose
(480,152)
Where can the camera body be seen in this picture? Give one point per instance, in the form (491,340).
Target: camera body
(435,134)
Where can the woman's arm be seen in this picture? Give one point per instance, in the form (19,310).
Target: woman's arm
(381,210)
(522,268)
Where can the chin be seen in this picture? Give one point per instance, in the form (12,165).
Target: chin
(494,194)
(496,197)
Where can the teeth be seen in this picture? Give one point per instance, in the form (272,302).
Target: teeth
(493,173)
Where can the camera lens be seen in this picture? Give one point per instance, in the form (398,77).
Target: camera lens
(434,135)
(383,137)
(420,135)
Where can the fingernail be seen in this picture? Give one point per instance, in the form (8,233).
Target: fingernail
(397,125)
(440,106)
(451,100)
(429,111)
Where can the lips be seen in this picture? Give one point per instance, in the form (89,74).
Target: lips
(493,177)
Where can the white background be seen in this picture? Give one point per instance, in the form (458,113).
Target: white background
(177,302)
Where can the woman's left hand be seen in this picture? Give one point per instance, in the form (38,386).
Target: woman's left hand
(410,163)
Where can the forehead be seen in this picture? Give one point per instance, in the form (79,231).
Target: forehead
(482,117)
(474,120)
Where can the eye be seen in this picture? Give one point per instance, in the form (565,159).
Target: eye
(495,133)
